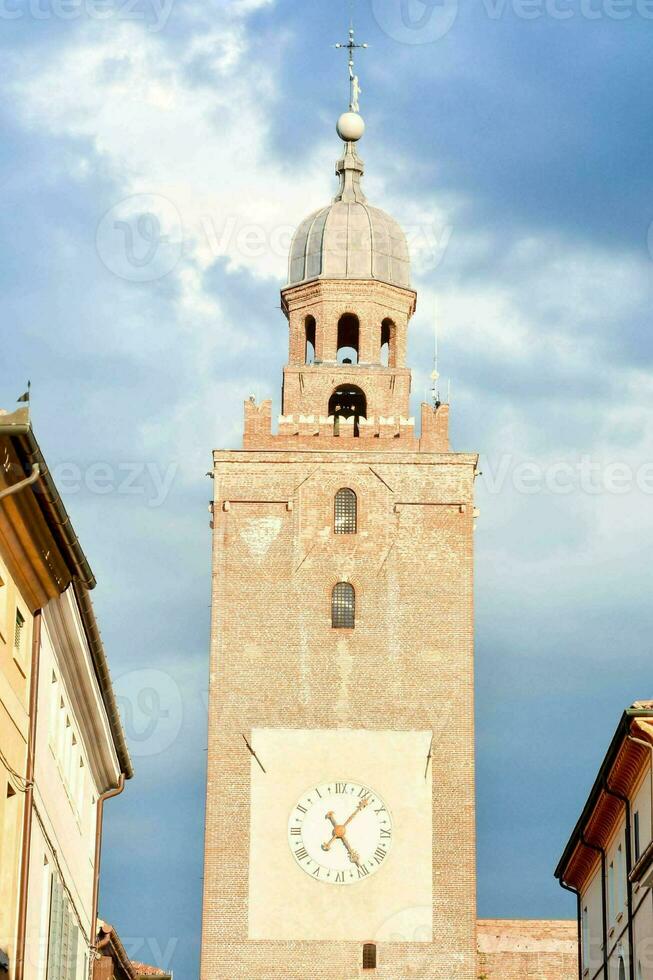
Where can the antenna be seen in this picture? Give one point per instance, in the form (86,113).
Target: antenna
(435,375)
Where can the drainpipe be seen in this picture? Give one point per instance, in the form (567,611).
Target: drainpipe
(575,891)
(99,818)
(629,884)
(599,850)
(21,932)
(27,482)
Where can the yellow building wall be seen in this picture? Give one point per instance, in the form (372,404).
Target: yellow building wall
(15,663)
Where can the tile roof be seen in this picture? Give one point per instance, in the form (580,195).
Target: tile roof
(145,970)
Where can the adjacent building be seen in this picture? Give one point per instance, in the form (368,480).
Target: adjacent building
(608,861)
(62,748)
(112,962)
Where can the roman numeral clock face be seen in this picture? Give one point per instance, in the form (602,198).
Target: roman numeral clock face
(340,833)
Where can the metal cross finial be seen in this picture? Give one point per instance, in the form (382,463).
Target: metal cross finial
(355,89)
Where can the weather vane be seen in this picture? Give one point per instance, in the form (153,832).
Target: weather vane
(355,89)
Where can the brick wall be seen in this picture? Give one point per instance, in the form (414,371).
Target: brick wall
(409,665)
(527,950)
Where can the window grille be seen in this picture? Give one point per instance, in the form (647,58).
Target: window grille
(369,956)
(345,512)
(18,630)
(343,606)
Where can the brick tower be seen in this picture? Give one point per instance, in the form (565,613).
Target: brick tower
(340,820)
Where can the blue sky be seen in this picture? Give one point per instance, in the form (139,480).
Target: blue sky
(513,142)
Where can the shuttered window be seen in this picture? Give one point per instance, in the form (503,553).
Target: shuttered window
(18,631)
(63,936)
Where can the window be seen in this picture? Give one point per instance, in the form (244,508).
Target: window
(388,343)
(348,329)
(621,880)
(18,631)
(586,939)
(639,971)
(345,512)
(309,340)
(611,895)
(343,606)
(636,834)
(369,956)
(622,969)
(63,936)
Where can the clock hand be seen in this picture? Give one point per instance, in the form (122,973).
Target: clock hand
(339,832)
(331,816)
(354,857)
(361,806)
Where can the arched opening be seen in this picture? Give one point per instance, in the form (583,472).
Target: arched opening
(622,969)
(348,331)
(345,402)
(345,507)
(343,606)
(309,340)
(388,343)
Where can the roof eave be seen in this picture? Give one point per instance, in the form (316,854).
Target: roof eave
(18,427)
(615,745)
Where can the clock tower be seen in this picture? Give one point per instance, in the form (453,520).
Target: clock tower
(340,819)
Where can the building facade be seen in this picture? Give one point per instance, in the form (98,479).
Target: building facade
(341,734)
(608,861)
(63,748)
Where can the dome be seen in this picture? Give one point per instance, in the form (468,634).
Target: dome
(350,239)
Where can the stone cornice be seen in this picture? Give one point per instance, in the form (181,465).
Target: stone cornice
(64,625)
(335,290)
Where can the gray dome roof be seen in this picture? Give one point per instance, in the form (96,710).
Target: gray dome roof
(349,239)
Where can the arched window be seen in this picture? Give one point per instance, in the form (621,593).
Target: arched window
(343,606)
(622,969)
(369,956)
(345,512)
(388,343)
(345,402)
(348,330)
(309,335)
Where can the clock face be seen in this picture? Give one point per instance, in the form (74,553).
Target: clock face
(340,832)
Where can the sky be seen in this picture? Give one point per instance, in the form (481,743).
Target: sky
(157,155)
